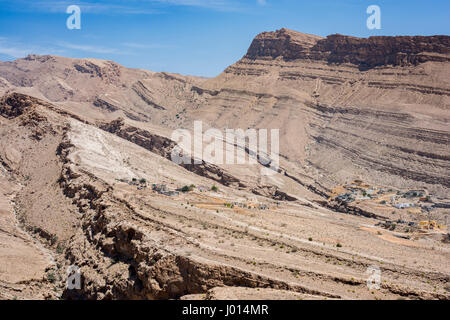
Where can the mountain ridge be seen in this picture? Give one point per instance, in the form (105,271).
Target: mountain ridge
(86,172)
(366,53)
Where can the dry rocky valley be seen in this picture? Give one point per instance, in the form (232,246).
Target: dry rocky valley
(86,177)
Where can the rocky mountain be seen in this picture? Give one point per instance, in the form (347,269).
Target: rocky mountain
(338,49)
(86,177)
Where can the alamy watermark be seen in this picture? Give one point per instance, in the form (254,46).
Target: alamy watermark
(238,147)
(74,20)
(374,279)
(73,278)
(374,20)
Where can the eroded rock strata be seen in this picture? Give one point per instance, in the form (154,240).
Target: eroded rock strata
(83,141)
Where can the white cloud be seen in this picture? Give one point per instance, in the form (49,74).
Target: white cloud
(122,6)
(220,5)
(91,48)
(18,50)
(118,6)
(14,52)
(135,45)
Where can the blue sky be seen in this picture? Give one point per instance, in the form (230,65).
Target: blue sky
(197,37)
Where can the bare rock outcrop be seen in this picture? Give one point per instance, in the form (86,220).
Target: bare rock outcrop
(164,147)
(366,53)
(373,109)
(121,259)
(14,104)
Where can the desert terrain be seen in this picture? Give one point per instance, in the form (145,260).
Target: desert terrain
(86,177)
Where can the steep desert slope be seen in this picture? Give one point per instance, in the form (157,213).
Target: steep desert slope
(84,193)
(96,88)
(377,107)
(362,121)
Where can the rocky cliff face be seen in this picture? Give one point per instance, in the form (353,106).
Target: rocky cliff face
(375,109)
(383,51)
(288,44)
(347,107)
(365,53)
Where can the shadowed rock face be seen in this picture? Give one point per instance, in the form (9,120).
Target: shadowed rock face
(380,51)
(365,53)
(14,104)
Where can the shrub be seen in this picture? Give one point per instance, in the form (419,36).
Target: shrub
(214,188)
(339,245)
(51,277)
(309,239)
(188,188)
(142,181)
(59,249)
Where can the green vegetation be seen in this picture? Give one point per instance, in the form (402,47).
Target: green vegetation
(51,277)
(214,188)
(59,249)
(339,245)
(142,181)
(188,188)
